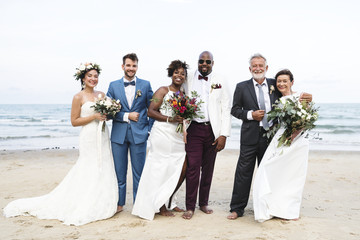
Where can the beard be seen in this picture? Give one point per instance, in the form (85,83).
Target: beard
(204,72)
(129,74)
(258,76)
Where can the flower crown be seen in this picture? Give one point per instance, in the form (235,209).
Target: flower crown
(84,68)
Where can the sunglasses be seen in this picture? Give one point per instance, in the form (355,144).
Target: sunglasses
(201,61)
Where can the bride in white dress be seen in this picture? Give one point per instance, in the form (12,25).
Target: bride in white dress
(280,178)
(164,168)
(89,191)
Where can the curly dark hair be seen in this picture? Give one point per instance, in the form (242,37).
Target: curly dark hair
(176,64)
(131,56)
(285,72)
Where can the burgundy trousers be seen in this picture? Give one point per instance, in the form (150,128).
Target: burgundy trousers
(201,156)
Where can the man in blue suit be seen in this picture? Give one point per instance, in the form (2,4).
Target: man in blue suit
(131,126)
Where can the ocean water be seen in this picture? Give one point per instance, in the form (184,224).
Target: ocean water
(45,126)
(36,126)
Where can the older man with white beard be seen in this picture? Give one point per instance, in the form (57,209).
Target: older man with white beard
(248,107)
(252,100)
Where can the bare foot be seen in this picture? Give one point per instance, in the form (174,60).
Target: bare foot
(188,214)
(119,209)
(206,210)
(232,216)
(294,219)
(177,209)
(165,212)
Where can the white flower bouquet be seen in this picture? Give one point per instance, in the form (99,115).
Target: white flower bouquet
(297,118)
(107,106)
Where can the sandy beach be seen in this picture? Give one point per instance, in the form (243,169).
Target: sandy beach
(330,207)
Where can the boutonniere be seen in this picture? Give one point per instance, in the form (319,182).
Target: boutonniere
(215,86)
(272,88)
(138,94)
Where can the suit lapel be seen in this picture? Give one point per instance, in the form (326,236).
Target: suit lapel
(252,91)
(123,94)
(137,87)
(212,81)
(271,93)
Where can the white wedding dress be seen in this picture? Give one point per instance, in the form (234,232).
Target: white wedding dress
(162,167)
(89,192)
(280,179)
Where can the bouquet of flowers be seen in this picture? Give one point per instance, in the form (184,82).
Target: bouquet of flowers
(294,115)
(185,106)
(107,106)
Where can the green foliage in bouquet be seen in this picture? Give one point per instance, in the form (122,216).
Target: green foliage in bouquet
(107,106)
(294,115)
(185,106)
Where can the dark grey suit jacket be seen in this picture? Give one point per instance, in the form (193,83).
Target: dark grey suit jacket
(244,101)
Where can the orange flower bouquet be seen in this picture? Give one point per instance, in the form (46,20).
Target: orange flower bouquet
(185,106)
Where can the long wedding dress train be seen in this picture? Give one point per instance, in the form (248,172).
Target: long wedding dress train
(89,191)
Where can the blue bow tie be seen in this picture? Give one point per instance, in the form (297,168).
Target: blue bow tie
(127,83)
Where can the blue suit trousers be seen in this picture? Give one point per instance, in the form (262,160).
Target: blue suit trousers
(137,156)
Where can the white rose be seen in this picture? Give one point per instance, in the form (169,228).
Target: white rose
(82,67)
(108,102)
(99,96)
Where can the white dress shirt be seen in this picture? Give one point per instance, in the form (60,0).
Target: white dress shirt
(265,89)
(130,94)
(202,87)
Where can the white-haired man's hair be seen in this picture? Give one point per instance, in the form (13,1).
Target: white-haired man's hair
(257,55)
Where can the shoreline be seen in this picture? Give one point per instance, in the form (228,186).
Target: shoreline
(330,207)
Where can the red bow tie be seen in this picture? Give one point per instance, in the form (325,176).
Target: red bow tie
(201,77)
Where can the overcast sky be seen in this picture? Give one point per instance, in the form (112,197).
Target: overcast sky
(42,42)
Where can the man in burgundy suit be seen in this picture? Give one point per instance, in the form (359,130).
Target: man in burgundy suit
(206,136)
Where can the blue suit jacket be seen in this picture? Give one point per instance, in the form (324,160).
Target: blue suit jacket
(142,127)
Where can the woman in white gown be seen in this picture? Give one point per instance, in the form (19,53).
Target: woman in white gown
(280,178)
(164,168)
(89,191)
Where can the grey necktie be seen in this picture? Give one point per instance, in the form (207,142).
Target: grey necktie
(262,107)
